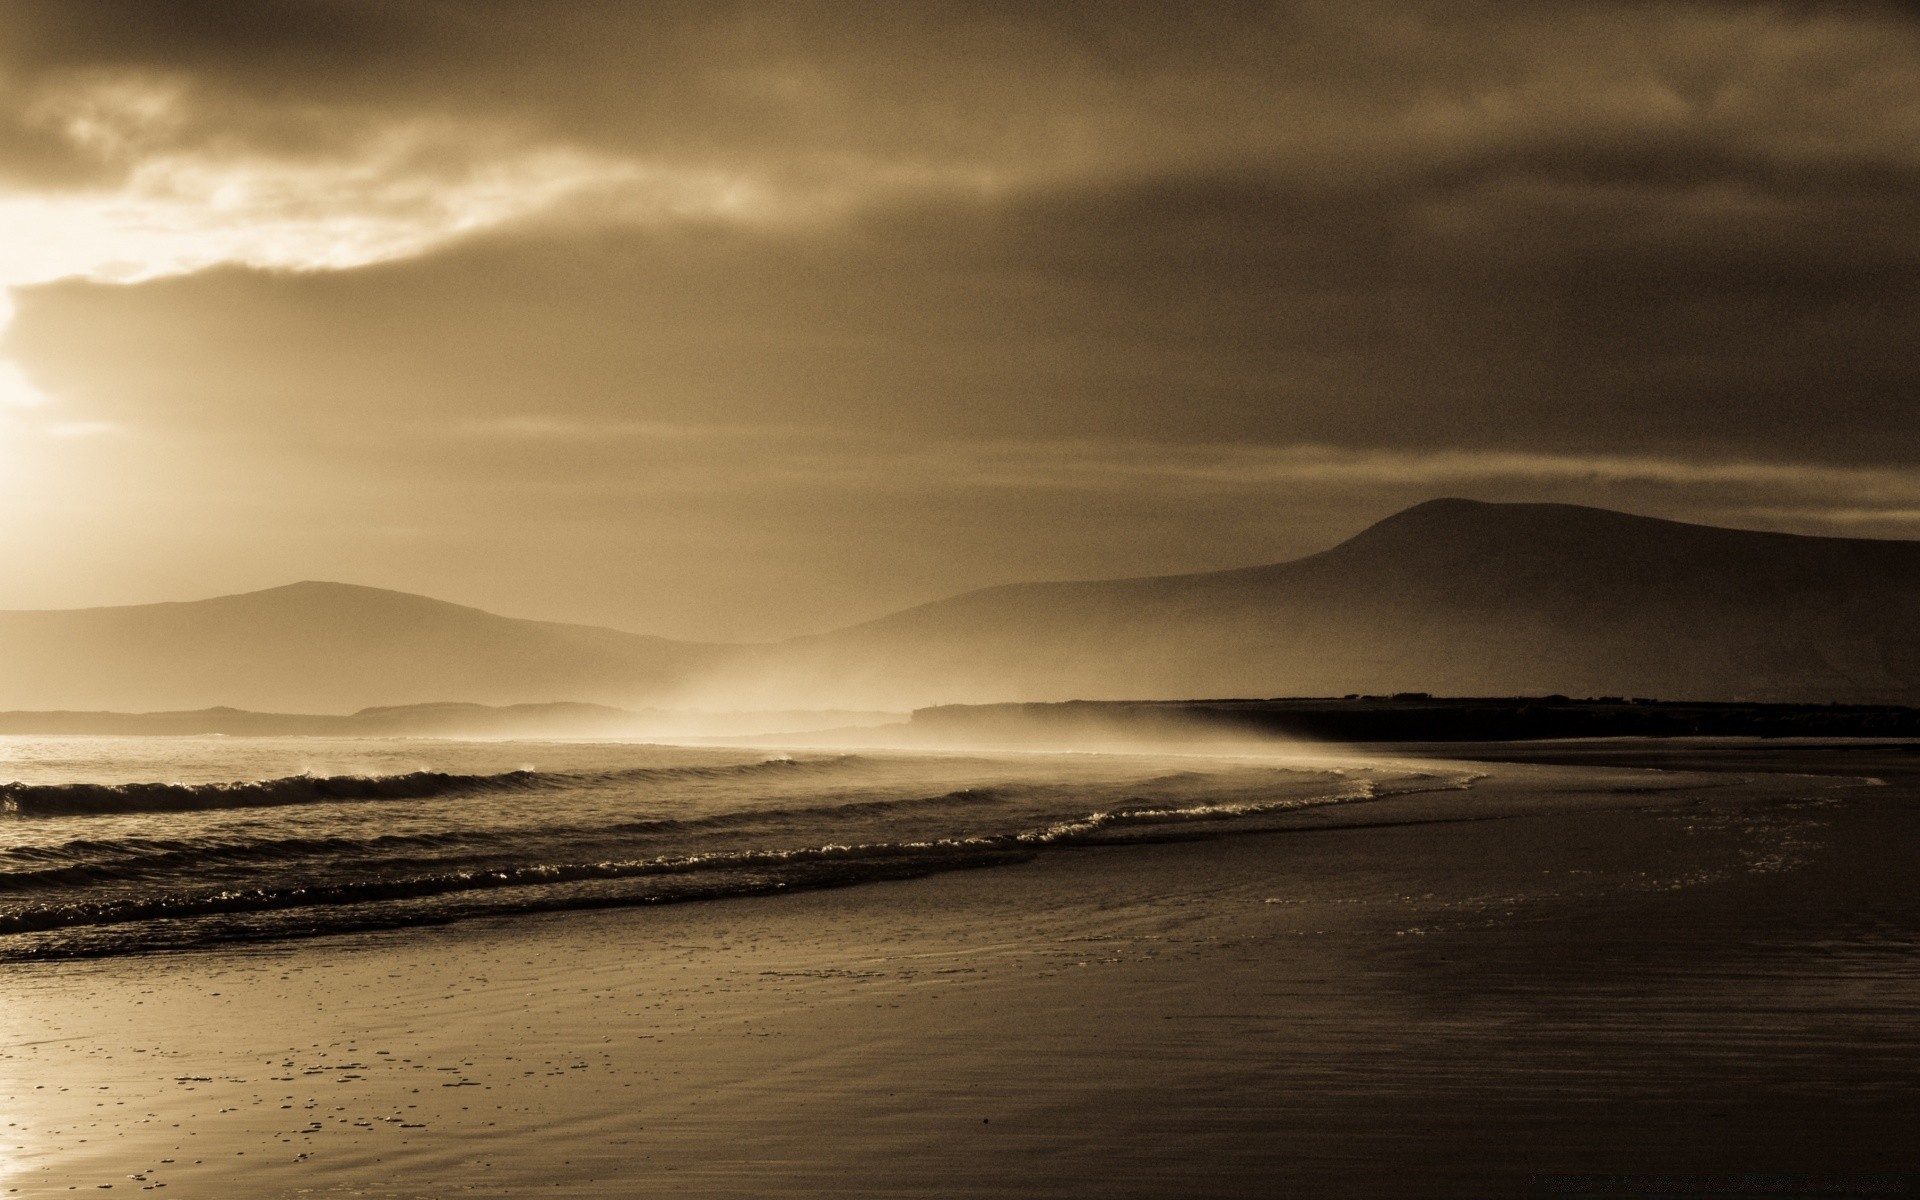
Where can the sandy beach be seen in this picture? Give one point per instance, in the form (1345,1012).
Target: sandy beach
(1592,980)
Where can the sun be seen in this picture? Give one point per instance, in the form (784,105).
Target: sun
(16,390)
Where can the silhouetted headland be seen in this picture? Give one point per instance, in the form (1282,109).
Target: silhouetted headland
(1408,718)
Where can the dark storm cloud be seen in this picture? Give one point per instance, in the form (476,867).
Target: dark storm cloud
(266,36)
(245,54)
(1001,87)
(1522,304)
(1340,96)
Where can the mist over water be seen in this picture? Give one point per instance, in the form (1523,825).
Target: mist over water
(124,845)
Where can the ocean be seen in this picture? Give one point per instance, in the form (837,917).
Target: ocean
(126,845)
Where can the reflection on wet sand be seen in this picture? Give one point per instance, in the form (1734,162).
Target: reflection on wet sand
(1552,984)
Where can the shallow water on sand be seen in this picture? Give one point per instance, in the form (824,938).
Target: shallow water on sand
(118,845)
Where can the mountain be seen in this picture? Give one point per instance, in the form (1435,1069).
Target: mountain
(560,719)
(563,719)
(324,648)
(1450,597)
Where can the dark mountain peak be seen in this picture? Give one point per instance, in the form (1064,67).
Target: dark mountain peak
(1557,525)
(1472,519)
(1457,534)
(1450,596)
(1441,507)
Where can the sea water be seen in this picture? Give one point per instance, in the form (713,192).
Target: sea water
(119,845)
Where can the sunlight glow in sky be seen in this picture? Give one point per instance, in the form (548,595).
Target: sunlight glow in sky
(173,216)
(16,390)
(401,190)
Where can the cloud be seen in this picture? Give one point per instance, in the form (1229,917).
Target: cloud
(1023,92)
(1523,314)
(376,192)
(1092,287)
(388,199)
(16,390)
(686,458)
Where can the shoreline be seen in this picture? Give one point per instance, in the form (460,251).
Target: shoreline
(1471,993)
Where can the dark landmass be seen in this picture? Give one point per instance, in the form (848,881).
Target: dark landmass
(1452,597)
(435,720)
(323,648)
(1408,718)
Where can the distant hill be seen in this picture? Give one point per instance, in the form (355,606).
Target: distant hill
(1451,597)
(324,648)
(412,720)
(446,720)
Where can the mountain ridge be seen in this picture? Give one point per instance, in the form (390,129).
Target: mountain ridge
(322,647)
(1450,596)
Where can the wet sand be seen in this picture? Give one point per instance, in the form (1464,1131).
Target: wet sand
(1572,980)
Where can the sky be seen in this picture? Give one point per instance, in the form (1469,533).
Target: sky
(732,321)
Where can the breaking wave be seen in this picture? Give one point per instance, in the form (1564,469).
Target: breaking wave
(82,799)
(829,864)
(286,856)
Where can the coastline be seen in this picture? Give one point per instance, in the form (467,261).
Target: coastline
(1546,985)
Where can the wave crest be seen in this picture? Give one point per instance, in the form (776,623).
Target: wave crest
(83,799)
